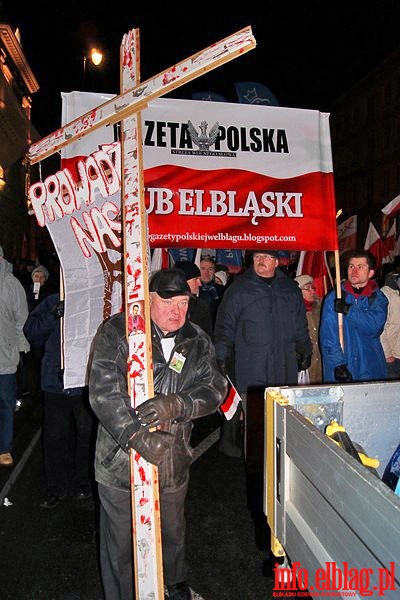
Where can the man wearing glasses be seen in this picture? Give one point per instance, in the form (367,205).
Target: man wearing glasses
(261,335)
(261,340)
(313,311)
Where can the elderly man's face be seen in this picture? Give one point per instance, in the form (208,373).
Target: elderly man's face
(264,264)
(169,314)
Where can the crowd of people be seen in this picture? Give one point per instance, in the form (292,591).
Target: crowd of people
(257,328)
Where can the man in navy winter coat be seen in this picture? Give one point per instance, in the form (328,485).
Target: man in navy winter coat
(261,334)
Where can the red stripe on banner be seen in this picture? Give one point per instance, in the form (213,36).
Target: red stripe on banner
(241,209)
(70,164)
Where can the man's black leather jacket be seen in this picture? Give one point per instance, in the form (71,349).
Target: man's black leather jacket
(200,384)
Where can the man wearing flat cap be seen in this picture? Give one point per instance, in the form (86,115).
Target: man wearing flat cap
(188,385)
(261,334)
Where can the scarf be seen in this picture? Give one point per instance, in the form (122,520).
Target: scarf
(309,305)
(368,290)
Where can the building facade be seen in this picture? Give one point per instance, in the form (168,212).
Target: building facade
(17,84)
(365,133)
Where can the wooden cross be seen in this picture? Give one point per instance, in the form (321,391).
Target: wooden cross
(125,108)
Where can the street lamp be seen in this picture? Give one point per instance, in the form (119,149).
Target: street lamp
(2,179)
(95,56)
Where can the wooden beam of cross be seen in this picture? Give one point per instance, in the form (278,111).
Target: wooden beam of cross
(146,519)
(125,108)
(138,97)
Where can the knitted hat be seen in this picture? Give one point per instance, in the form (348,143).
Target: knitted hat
(190,269)
(222,276)
(303,280)
(42,269)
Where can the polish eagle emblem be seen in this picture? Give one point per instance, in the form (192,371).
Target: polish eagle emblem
(202,139)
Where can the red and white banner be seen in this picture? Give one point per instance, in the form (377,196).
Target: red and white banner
(220,175)
(347,234)
(216,175)
(389,244)
(159,260)
(315,264)
(374,244)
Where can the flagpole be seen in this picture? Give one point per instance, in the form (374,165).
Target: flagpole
(339,295)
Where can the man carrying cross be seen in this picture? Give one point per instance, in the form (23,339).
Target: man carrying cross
(188,385)
(124,109)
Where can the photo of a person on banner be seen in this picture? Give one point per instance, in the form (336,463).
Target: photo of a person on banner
(135,320)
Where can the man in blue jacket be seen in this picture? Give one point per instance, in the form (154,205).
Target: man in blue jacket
(364,309)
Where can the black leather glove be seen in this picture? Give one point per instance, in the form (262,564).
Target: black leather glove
(160,409)
(342,374)
(303,361)
(151,446)
(58,309)
(341,306)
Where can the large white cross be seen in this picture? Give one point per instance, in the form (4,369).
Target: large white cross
(125,108)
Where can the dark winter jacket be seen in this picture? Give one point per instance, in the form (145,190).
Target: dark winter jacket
(45,291)
(43,328)
(212,294)
(263,322)
(199,313)
(362,326)
(200,384)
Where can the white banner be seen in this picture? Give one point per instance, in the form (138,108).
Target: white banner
(217,175)
(92,282)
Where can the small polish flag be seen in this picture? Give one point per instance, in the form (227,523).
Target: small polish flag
(229,406)
(347,234)
(159,260)
(375,245)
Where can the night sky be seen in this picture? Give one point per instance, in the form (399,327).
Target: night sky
(306,56)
